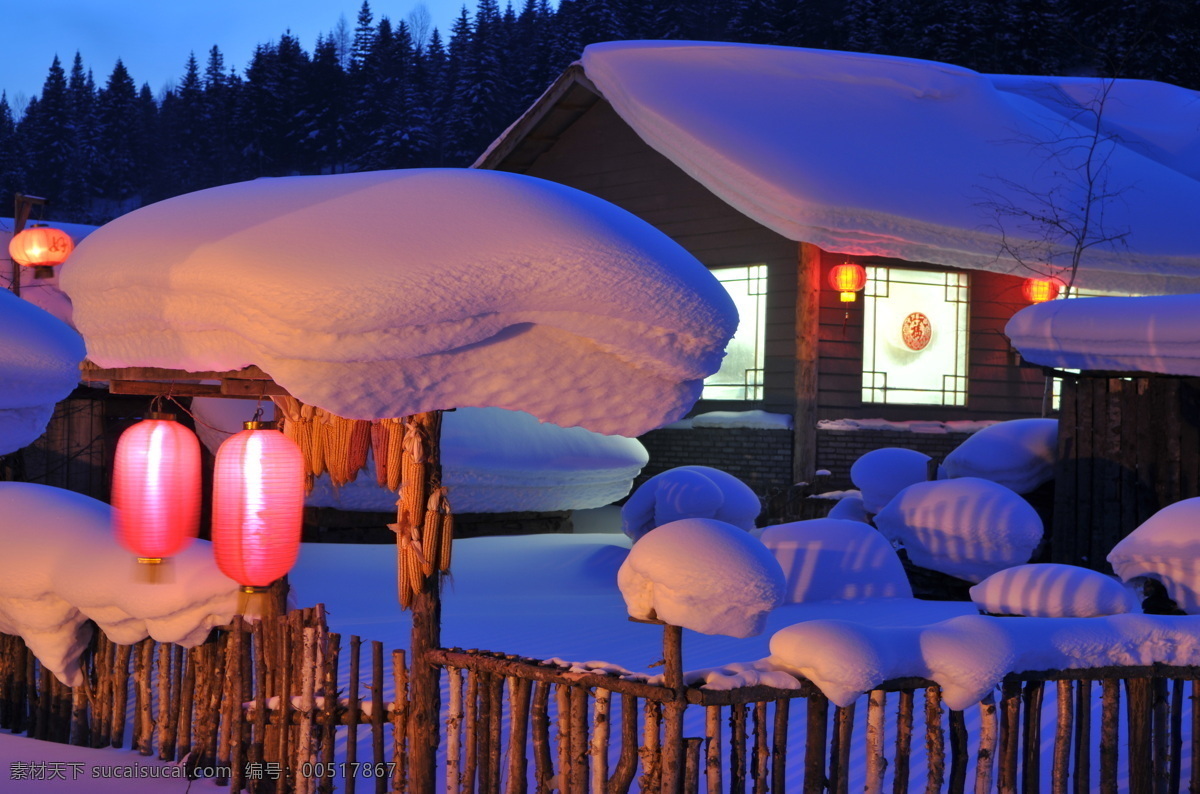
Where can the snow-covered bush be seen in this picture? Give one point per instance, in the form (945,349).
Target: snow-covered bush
(1165,547)
(1051,590)
(882,473)
(704,575)
(39,365)
(830,559)
(849,508)
(62,565)
(1019,454)
(968,528)
(689,492)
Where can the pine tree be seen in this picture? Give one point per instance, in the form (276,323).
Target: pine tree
(120,178)
(11,172)
(46,132)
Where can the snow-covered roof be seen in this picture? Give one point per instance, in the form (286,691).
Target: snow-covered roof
(393,292)
(877,155)
(1156,333)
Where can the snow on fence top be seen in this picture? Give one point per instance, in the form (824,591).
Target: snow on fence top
(394,292)
(1157,333)
(878,155)
(39,365)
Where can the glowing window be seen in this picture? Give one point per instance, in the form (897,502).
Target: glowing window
(915,337)
(741,373)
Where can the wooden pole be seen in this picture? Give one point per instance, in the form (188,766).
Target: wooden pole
(935,740)
(760,759)
(1059,771)
(600,732)
(400,720)
(354,713)
(904,723)
(839,755)
(1139,704)
(422,475)
(622,777)
(779,744)
(377,717)
(1109,721)
(1010,737)
(543,765)
(672,766)
(1083,737)
(958,752)
(876,763)
(808,334)
(737,748)
(651,757)
(817,725)
(518,764)
(1031,769)
(986,757)
(1175,772)
(454,721)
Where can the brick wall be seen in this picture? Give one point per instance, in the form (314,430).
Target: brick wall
(760,458)
(838,449)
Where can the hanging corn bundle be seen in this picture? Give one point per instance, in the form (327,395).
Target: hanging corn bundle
(424,525)
(387,443)
(328,442)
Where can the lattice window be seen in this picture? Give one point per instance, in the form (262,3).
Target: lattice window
(741,373)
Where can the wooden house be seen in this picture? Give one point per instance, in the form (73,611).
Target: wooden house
(732,150)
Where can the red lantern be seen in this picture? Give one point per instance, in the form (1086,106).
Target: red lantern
(258,505)
(1040,290)
(156,488)
(40,247)
(848,278)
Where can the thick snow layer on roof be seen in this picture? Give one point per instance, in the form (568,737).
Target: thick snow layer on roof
(752,420)
(969,528)
(831,559)
(1157,333)
(882,473)
(392,292)
(878,155)
(62,565)
(1052,590)
(1019,454)
(493,461)
(1165,547)
(907,426)
(689,492)
(703,575)
(969,655)
(39,365)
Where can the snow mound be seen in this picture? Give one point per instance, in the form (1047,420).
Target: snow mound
(849,508)
(1157,333)
(1051,590)
(968,656)
(493,461)
(62,565)
(1019,454)
(969,528)
(882,473)
(387,293)
(703,575)
(689,492)
(909,187)
(753,420)
(830,559)
(1165,547)
(39,365)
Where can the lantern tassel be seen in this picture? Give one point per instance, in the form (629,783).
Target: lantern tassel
(153,570)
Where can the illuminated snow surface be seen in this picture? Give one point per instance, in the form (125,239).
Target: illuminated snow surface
(1019,454)
(882,473)
(833,559)
(968,528)
(1052,590)
(906,150)
(388,293)
(689,492)
(63,566)
(1165,547)
(39,365)
(493,461)
(704,575)
(1158,333)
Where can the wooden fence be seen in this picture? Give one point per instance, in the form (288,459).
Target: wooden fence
(512,724)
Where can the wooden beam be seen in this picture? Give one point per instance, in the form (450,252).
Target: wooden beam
(91,372)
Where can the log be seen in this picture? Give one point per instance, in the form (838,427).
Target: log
(1083,737)
(331,711)
(353,710)
(1175,770)
(142,665)
(495,715)
(839,760)
(622,777)
(120,698)
(876,763)
(178,654)
(378,717)
(518,735)
(1139,704)
(959,754)
(761,757)
(935,740)
(187,697)
(737,748)
(471,725)
(400,720)
(691,765)
(816,728)
(1109,723)
(579,739)
(555,675)
(1194,778)
(672,762)
(779,744)
(712,756)
(649,751)
(79,716)
(1031,769)
(303,754)
(236,697)
(985,758)
(259,735)
(904,723)
(1010,736)
(228,706)
(539,718)
(600,736)
(454,720)
(1160,716)
(1060,769)
(562,701)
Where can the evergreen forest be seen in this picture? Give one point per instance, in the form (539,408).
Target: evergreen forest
(383,93)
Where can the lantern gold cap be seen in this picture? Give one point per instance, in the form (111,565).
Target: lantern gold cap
(251,589)
(161,416)
(259,426)
(150,560)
